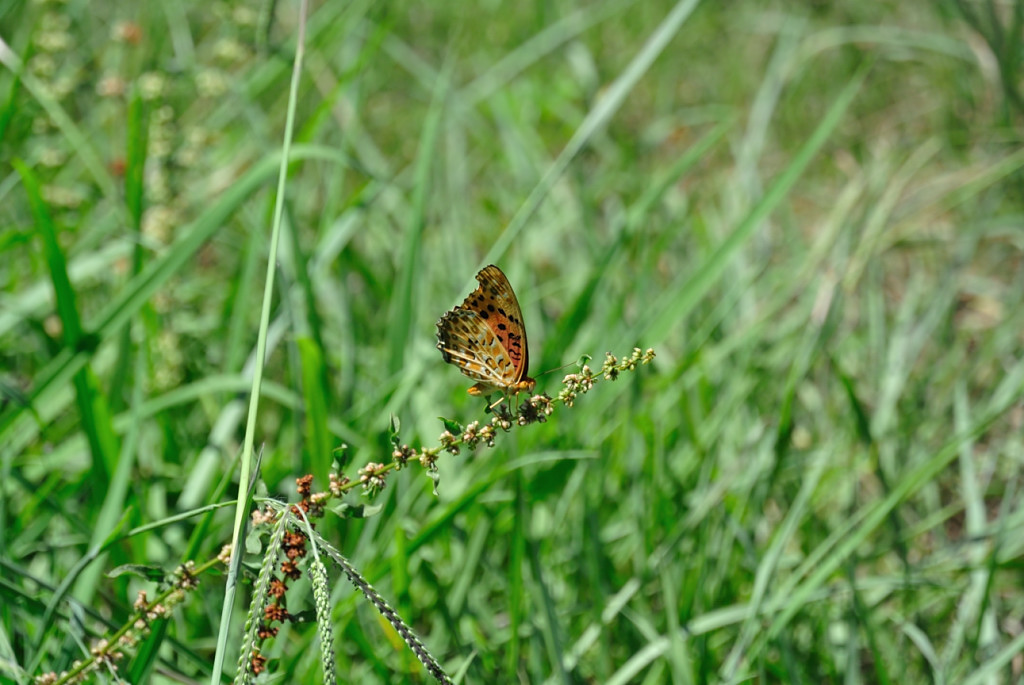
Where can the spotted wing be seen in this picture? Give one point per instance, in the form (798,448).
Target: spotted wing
(467,341)
(495,302)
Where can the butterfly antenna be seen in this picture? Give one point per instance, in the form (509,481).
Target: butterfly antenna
(559,368)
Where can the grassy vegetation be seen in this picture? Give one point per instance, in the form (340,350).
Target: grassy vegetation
(811,211)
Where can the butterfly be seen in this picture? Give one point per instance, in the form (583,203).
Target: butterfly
(485,337)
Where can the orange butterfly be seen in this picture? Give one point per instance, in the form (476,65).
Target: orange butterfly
(485,337)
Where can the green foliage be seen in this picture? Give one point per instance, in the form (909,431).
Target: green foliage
(811,211)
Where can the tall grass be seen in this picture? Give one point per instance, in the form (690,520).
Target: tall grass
(812,213)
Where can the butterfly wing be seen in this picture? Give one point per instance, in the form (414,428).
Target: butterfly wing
(497,304)
(485,336)
(466,341)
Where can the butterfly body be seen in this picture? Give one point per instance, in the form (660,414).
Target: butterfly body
(486,338)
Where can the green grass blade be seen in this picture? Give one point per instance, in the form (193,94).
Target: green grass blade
(318,440)
(67,309)
(245,477)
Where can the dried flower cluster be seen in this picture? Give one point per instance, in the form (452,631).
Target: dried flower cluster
(373,477)
(294,546)
(581,383)
(311,504)
(339,483)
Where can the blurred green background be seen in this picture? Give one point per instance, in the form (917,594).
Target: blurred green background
(813,211)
